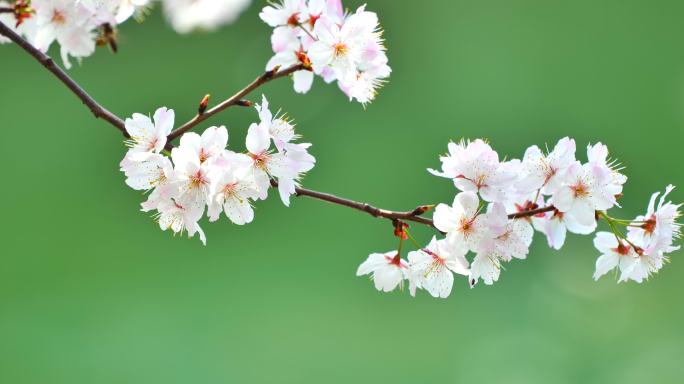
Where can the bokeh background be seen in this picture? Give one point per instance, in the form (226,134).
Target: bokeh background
(91,291)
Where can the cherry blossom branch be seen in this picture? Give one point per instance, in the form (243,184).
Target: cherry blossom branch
(98,110)
(101,112)
(236,99)
(412,215)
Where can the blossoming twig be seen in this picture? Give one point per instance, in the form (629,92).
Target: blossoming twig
(101,112)
(235,99)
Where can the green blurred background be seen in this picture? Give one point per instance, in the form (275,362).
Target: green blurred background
(91,291)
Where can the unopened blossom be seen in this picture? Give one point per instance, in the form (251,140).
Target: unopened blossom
(462,221)
(545,172)
(432,268)
(207,15)
(388,270)
(475,167)
(147,135)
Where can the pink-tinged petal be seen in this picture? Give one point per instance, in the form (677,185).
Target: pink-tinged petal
(303,81)
(258,139)
(163,120)
(469,202)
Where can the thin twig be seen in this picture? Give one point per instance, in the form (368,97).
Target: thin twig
(99,111)
(235,99)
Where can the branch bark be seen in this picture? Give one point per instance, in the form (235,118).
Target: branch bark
(236,99)
(98,110)
(101,112)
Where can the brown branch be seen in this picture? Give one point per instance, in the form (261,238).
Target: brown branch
(531,212)
(236,99)
(412,215)
(99,111)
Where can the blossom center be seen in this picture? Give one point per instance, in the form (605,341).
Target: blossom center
(650,225)
(340,49)
(58,17)
(198,180)
(580,190)
(260,159)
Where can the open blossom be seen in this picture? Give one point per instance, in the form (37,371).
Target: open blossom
(233,189)
(345,48)
(658,228)
(475,167)
(508,238)
(189,15)
(546,172)
(555,193)
(388,270)
(462,221)
(287,164)
(180,216)
(614,253)
(145,171)
(147,135)
(207,146)
(635,264)
(555,225)
(432,268)
(582,194)
(68,22)
(203,175)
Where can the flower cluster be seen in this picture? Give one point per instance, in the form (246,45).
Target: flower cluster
(502,202)
(347,48)
(78,26)
(202,175)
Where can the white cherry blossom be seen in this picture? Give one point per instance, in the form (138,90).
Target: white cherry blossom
(583,193)
(613,253)
(189,15)
(180,216)
(147,135)
(546,172)
(462,221)
(388,270)
(475,167)
(432,268)
(233,188)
